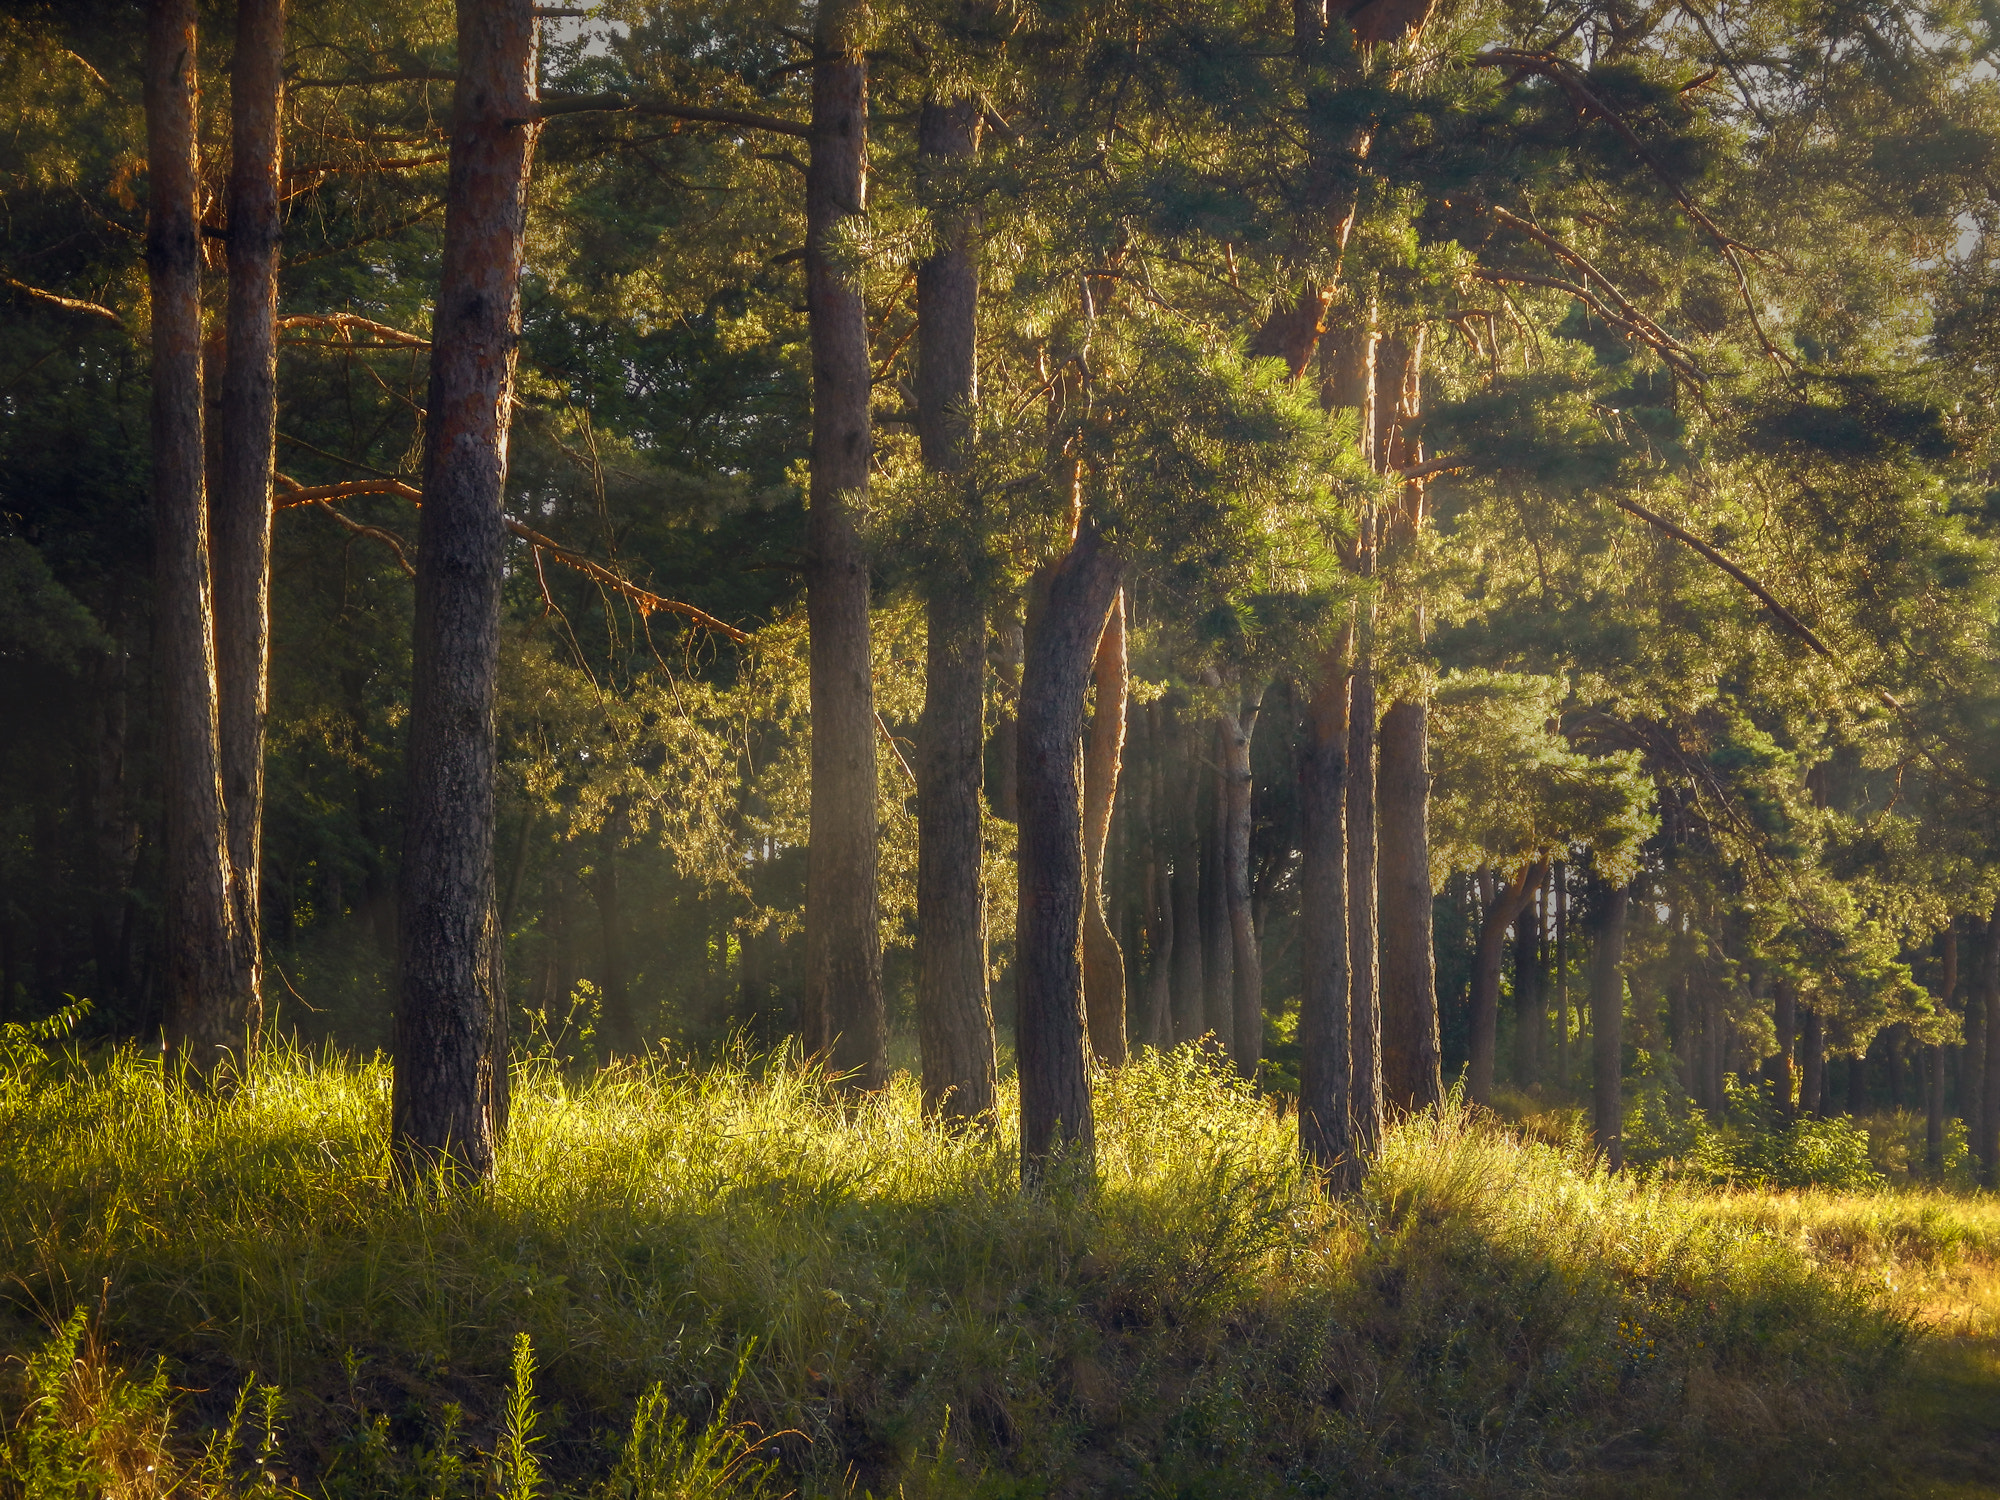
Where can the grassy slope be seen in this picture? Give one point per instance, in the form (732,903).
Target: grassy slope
(1492,1318)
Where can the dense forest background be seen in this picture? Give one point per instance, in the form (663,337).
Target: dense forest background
(1607,389)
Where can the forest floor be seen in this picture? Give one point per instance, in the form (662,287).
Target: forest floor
(715,1281)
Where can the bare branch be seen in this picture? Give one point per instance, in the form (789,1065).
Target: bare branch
(68,304)
(645,601)
(346,324)
(1660,343)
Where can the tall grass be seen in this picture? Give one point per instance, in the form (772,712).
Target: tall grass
(888,1312)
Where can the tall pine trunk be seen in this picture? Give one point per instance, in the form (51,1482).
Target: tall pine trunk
(1364,1014)
(450,1102)
(1411,1061)
(1607,1016)
(1503,907)
(1103,961)
(1326,1136)
(1218,951)
(1182,773)
(1073,596)
(1972,1059)
(1812,1068)
(245,453)
(207,995)
(1159,892)
(844,1018)
(954,1008)
(1247,962)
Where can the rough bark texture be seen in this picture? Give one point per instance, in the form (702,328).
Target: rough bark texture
(1364,1013)
(1326,1137)
(449,1103)
(1509,901)
(1607,1015)
(954,1008)
(1103,961)
(245,452)
(1411,1062)
(206,990)
(1074,595)
(845,1023)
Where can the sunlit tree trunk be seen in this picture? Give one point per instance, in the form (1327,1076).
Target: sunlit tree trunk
(207,995)
(1364,1013)
(1607,1015)
(450,1100)
(1073,596)
(1411,1060)
(844,1018)
(1247,965)
(1103,962)
(1326,1138)
(954,1009)
(245,451)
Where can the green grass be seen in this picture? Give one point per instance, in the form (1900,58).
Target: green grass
(888,1313)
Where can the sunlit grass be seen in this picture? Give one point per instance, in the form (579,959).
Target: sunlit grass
(1494,1314)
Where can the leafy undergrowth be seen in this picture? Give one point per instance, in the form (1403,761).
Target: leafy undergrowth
(728,1284)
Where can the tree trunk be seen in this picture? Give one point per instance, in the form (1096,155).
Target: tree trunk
(1247,969)
(1607,1016)
(1507,904)
(1972,1060)
(1159,893)
(1183,773)
(449,1104)
(1103,962)
(1785,1012)
(845,1020)
(1218,951)
(1989,1087)
(1813,1067)
(207,995)
(1411,1062)
(1857,1083)
(954,1008)
(1326,1135)
(621,1026)
(1075,595)
(1002,793)
(1364,1014)
(246,452)
(1934,1073)
(1527,995)
(1560,881)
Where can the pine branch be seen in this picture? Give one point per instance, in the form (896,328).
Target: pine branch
(1659,336)
(553,106)
(68,304)
(1660,343)
(347,323)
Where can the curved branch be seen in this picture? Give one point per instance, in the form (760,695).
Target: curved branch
(68,304)
(1660,343)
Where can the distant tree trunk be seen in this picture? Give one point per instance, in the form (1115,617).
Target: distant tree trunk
(1504,906)
(1217,947)
(1813,1068)
(1527,994)
(1364,1014)
(207,993)
(1857,1082)
(1159,892)
(1559,880)
(450,1100)
(1103,962)
(1074,595)
(1785,1012)
(1607,1015)
(1972,1059)
(954,1008)
(621,1026)
(246,451)
(1183,773)
(1002,792)
(1934,1095)
(844,1016)
(1326,1135)
(1989,1088)
(1247,968)
(1411,1062)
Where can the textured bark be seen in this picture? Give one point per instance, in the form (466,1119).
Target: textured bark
(449,1105)
(1411,1060)
(845,1022)
(1103,962)
(1074,595)
(1507,904)
(1607,1016)
(1246,984)
(1159,892)
(1363,1010)
(1218,954)
(245,452)
(1326,1135)
(954,1007)
(207,999)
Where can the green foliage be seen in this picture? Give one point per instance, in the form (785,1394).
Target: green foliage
(1749,1146)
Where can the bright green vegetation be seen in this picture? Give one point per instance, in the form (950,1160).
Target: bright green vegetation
(893,1315)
